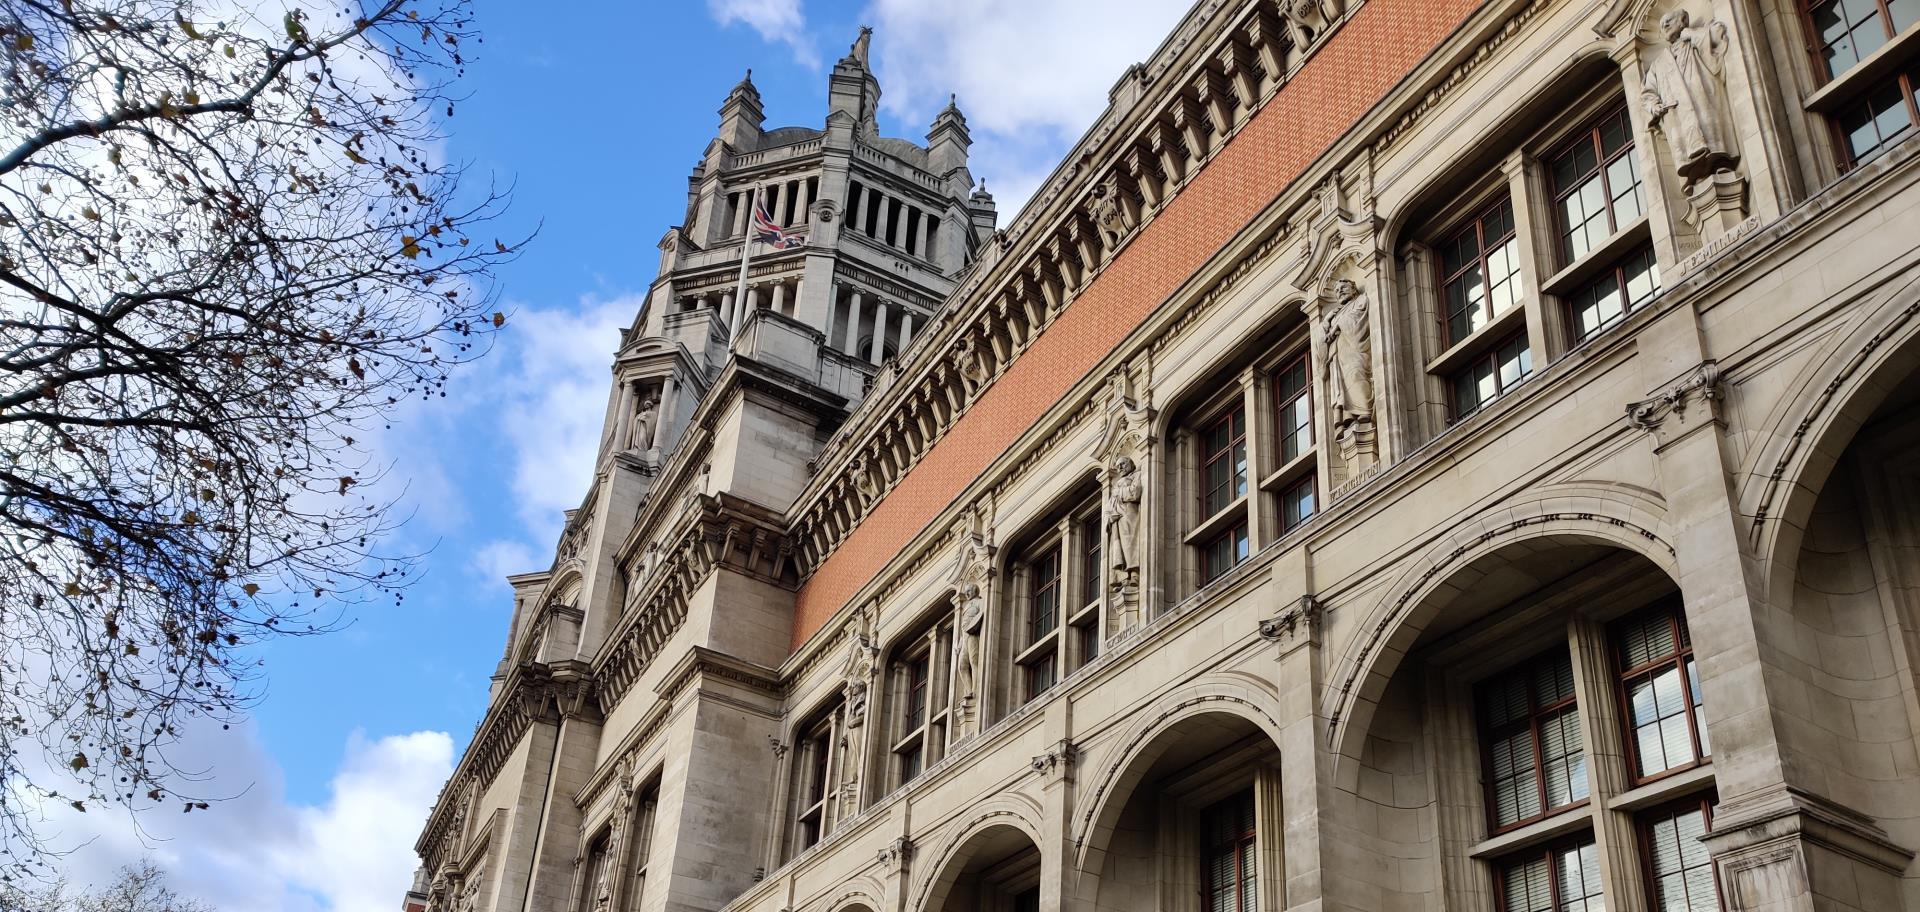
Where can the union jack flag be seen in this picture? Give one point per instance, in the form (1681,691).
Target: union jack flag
(768,232)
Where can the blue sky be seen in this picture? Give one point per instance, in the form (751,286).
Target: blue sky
(595,116)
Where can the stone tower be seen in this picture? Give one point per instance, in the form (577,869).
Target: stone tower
(725,388)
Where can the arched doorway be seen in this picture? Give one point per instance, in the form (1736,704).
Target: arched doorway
(996,868)
(1532,710)
(1187,818)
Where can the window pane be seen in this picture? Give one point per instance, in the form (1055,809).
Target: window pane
(1905,14)
(1578,870)
(1526,886)
(1876,120)
(1830,29)
(1225,552)
(1297,504)
(1682,872)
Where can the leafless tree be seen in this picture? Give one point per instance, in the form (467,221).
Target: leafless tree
(229,248)
(138,887)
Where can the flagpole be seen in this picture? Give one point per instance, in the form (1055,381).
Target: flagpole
(739,315)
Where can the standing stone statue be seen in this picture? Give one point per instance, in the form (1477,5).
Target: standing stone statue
(973,614)
(1348,337)
(1123,514)
(1685,96)
(640,430)
(862,660)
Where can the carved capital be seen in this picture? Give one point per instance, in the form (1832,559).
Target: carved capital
(894,855)
(1057,762)
(1702,384)
(1297,624)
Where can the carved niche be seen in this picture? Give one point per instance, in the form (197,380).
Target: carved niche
(856,675)
(972,574)
(1121,456)
(1336,268)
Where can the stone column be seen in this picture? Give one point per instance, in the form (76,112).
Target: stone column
(779,297)
(850,344)
(622,416)
(879,348)
(1778,845)
(800,214)
(857,199)
(727,314)
(912,240)
(1259,430)
(669,398)
(884,217)
(906,328)
(742,214)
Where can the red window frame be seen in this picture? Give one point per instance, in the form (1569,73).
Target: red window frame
(1477,264)
(1646,820)
(1230,827)
(1680,659)
(1537,712)
(1235,484)
(1592,135)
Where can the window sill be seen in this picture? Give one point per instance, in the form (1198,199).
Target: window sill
(912,740)
(1298,466)
(1878,66)
(1218,522)
(1480,340)
(1599,259)
(1087,613)
(1664,789)
(1043,646)
(1574,818)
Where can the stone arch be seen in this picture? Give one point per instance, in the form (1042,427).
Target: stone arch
(860,894)
(1615,515)
(1803,437)
(979,828)
(1114,779)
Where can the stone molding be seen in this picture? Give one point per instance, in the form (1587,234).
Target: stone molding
(1457,76)
(722,531)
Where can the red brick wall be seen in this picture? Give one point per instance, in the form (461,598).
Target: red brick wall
(1345,78)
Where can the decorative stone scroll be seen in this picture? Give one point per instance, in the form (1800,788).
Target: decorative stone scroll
(1056,762)
(1120,455)
(1295,625)
(1701,383)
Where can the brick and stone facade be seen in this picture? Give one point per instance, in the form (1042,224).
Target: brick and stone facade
(1411,454)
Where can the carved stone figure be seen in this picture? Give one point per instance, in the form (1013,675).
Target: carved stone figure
(1109,216)
(862,658)
(1349,346)
(1123,514)
(861,45)
(973,613)
(967,360)
(1684,92)
(640,430)
(469,897)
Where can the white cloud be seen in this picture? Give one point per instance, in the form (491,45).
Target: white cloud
(777,21)
(498,559)
(258,852)
(1031,76)
(551,400)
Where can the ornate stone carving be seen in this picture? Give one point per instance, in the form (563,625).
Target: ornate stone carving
(1057,760)
(1346,333)
(894,855)
(969,362)
(973,567)
(1120,454)
(863,660)
(1307,20)
(1684,91)
(1296,624)
(1109,214)
(1702,382)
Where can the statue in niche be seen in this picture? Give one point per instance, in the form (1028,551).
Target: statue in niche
(862,659)
(1684,92)
(1123,514)
(1349,352)
(640,429)
(972,603)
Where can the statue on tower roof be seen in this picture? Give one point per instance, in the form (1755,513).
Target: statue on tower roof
(861,45)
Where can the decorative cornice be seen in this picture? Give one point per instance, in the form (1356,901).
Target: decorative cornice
(1033,270)
(1458,75)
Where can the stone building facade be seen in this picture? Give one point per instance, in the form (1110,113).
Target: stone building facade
(1411,454)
